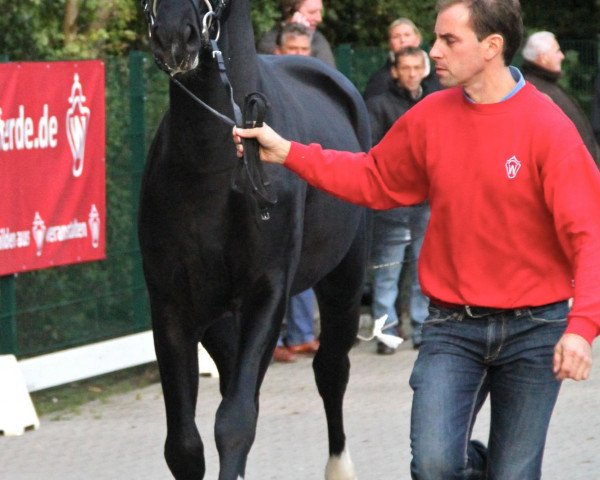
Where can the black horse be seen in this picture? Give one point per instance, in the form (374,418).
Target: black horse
(218,271)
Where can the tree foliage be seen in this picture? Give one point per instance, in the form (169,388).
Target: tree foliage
(63,29)
(363,22)
(52,29)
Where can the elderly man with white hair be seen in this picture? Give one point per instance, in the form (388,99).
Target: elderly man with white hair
(542,61)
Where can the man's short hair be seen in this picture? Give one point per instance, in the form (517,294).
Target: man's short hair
(405,21)
(293,29)
(408,51)
(494,16)
(537,44)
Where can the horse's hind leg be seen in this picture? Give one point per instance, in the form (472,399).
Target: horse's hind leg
(339,295)
(177,355)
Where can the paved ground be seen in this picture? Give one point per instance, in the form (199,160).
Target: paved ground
(121,439)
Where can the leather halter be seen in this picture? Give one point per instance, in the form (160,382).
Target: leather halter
(249,175)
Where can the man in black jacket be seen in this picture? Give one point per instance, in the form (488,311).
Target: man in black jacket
(402,32)
(393,230)
(542,61)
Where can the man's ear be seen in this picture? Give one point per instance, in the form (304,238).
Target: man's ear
(393,72)
(493,46)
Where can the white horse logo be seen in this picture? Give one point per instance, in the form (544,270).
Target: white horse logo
(78,117)
(38,229)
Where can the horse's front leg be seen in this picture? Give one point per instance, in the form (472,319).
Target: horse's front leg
(177,356)
(237,415)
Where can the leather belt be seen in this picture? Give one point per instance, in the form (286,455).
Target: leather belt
(471,311)
(479,312)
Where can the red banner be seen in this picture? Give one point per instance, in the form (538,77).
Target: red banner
(52,164)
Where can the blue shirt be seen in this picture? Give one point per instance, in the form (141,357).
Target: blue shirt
(517,75)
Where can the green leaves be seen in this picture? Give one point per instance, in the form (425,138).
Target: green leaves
(34,29)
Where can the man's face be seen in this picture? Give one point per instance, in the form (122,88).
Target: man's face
(403,36)
(553,58)
(312,10)
(294,45)
(457,53)
(410,71)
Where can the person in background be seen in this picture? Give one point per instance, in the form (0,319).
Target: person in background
(513,236)
(306,12)
(542,66)
(395,229)
(294,39)
(402,32)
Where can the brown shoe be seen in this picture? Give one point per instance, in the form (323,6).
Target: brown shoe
(307,348)
(283,355)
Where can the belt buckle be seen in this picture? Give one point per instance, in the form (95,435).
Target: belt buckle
(470,313)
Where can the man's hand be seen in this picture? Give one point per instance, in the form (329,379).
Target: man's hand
(273,148)
(572,358)
(299,18)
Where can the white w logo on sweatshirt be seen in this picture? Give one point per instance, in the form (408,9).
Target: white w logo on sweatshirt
(512,166)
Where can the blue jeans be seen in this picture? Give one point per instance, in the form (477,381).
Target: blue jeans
(300,319)
(391,235)
(393,230)
(506,355)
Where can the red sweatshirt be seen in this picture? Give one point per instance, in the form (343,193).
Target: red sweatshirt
(514,195)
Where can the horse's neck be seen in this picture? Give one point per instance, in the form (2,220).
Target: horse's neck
(239,51)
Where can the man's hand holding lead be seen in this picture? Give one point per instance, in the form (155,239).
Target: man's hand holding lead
(273,147)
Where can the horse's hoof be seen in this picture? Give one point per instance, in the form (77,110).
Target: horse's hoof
(340,467)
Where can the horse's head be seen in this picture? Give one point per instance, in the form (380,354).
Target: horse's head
(179,29)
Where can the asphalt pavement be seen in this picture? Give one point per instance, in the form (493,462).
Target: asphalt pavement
(122,438)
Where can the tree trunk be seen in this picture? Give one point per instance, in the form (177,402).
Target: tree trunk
(70,20)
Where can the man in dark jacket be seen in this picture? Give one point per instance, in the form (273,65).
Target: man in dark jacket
(306,12)
(394,230)
(402,32)
(542,60)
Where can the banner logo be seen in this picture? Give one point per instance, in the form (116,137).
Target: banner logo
(39,233)
(94,223)
(78,117)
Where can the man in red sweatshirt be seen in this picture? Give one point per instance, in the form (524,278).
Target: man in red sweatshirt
(514,234)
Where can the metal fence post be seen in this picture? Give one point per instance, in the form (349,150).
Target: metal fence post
(8,315)
(8,302)
(137,97)
(343,59)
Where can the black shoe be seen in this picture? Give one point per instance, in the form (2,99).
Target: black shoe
(383,349)
(416,342)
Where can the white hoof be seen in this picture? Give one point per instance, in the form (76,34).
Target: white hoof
(340,467)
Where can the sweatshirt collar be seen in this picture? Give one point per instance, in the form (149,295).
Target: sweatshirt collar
(517,76)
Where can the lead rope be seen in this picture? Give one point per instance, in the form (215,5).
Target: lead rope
(249,175)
